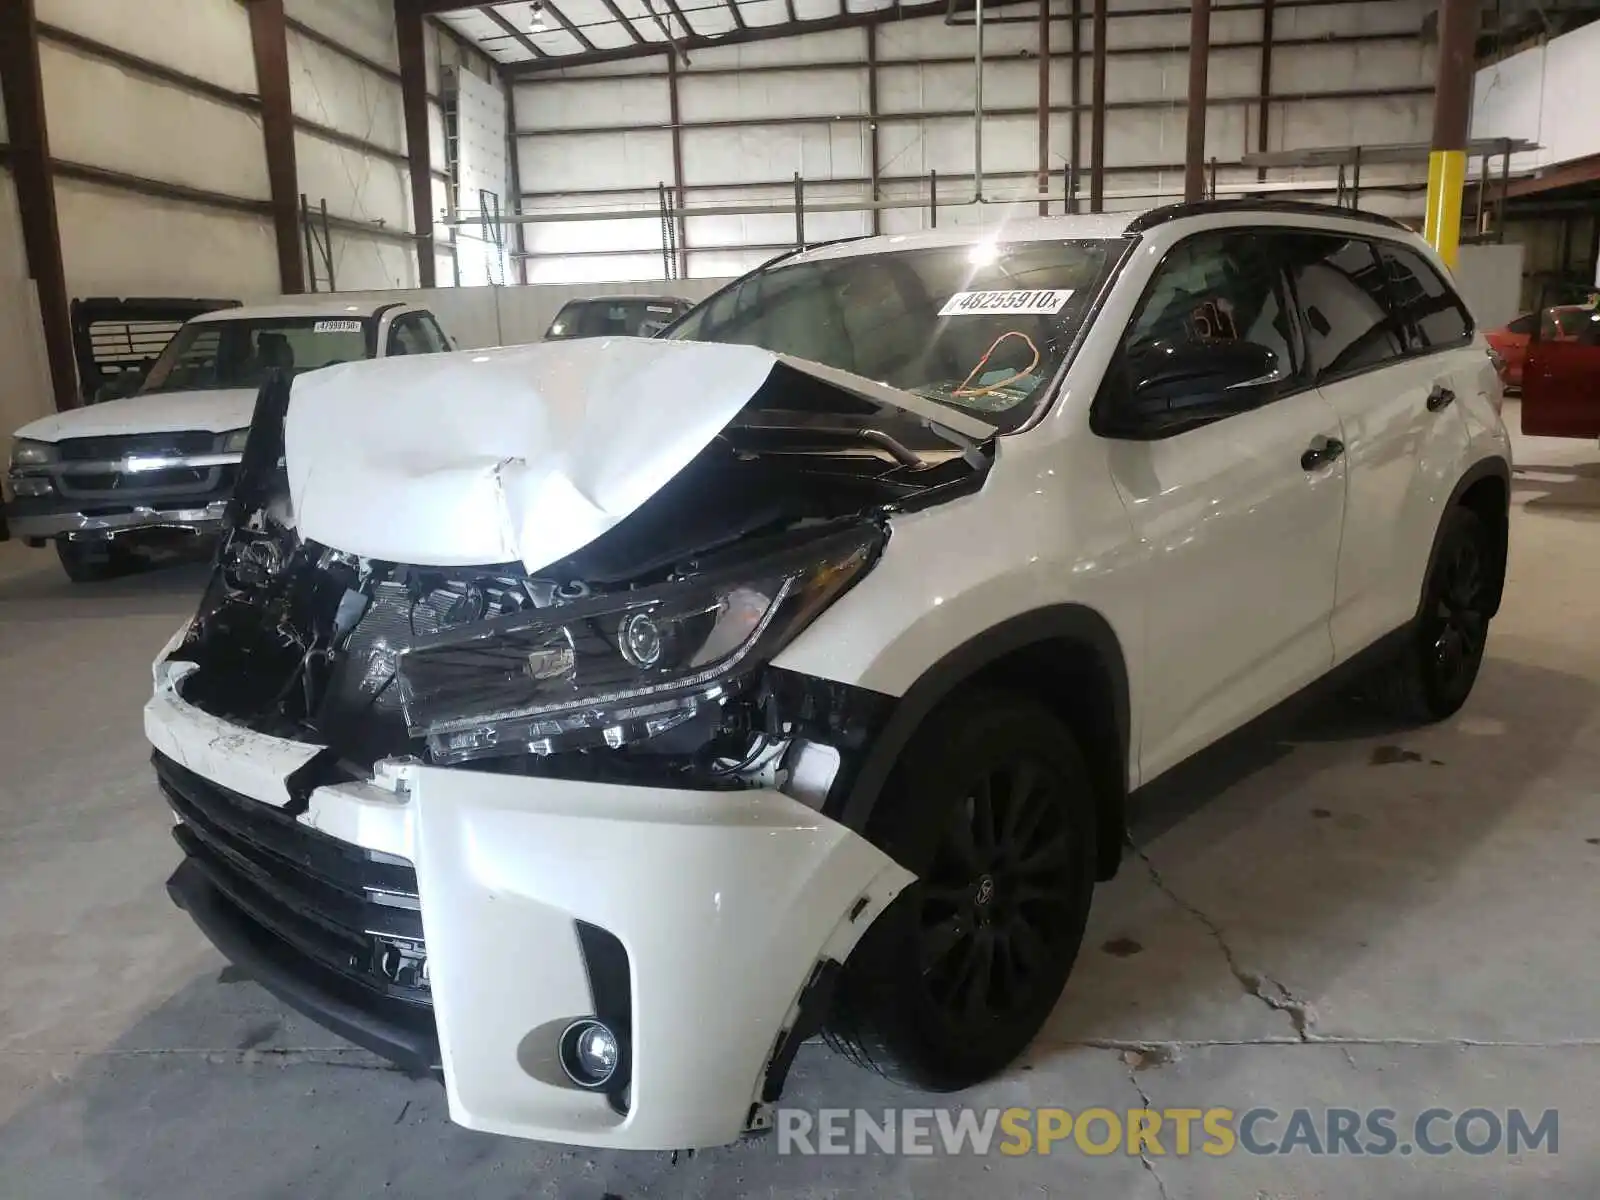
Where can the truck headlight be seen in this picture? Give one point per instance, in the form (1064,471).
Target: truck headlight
(629,665)
(32,454)
(234,442)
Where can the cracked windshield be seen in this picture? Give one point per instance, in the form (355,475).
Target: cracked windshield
(981,327)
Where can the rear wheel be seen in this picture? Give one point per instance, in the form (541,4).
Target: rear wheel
(91,562)
(1433,676)
(993,809)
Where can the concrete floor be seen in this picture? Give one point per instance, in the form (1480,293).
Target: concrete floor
(1347,916)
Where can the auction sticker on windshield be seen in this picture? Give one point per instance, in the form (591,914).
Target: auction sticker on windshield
(336,327)
(1036,304)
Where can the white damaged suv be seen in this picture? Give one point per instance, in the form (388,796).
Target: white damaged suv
(590,723)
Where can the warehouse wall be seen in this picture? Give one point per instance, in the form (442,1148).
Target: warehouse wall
(25,386)
(741,140)
(350,144)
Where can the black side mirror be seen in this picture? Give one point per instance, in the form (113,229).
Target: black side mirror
(1173,386)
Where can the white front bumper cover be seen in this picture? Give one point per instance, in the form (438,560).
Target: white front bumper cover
(724,901)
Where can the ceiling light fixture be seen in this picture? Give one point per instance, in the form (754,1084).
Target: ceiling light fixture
(536,11)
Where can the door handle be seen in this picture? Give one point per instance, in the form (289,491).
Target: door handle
(1321,452)
(1440,398)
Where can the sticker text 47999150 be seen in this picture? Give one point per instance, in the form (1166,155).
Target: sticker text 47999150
(1020,303)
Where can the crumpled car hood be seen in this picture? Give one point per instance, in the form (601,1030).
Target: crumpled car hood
(524,453)
(219,411)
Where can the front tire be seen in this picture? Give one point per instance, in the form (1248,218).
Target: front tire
(992,808)
(1433,675)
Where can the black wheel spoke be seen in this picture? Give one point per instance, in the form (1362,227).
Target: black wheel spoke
(984,826)
(1044,856)
(940,939)
(978,977)
(1020,798)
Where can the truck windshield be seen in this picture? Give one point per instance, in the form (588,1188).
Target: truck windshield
(628,316)
(981,327)
(241,353)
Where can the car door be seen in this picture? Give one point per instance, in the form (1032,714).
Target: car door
(1239,518)
(1391,345)
(1561,379)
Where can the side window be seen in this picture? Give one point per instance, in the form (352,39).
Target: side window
(1524,325)
(1433,315)
(1338,284)
(416,333)
(1219,287)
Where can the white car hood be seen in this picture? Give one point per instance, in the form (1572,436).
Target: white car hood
(161,412)
(525,453)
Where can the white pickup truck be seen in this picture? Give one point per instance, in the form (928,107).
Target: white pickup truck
(113,481)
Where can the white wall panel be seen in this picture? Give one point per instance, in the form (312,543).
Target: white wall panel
(561,105)
(837,45)
(365,26)
(355,185)
(143,128)
(362,262)
(753,97)
(202,38)
(115,243)
(596,160)
(1546,95)
(330,89)
(766,154)
(1392,16)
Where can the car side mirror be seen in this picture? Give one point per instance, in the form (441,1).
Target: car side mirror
(1173,386)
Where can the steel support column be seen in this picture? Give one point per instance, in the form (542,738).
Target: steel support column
(680,197)
(872,129)
(1097,112)
(1194,158)
(514,201)
(1452,112)
(1076,144)
(1264,120)
(414,106)
(36,195)
(1044,105)
(270,47)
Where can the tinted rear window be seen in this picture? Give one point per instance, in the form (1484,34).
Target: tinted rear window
(613,318)
(1432,314)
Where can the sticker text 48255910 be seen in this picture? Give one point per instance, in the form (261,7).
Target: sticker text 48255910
(1019,303)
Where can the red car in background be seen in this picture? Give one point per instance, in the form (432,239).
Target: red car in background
(1552,324)
(1560,374)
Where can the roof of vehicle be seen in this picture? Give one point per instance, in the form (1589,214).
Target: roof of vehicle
(1087,225)
(301,308)
(631,298)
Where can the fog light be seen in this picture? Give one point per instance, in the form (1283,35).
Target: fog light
(591,1053)
(25,485)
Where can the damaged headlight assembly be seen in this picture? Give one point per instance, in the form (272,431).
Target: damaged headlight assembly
(624,666)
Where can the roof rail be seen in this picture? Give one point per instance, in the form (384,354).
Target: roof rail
(1303,208)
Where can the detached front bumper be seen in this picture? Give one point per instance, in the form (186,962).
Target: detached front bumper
(725,904)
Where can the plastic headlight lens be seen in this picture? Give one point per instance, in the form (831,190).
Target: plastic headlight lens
(32,454)
(234,442)
(624,666)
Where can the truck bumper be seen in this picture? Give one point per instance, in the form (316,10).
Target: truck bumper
(41,522)
(725,903)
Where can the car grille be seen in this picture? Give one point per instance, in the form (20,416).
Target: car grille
(352,911)
(140,485)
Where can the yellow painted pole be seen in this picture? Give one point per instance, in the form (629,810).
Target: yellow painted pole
(1452,114)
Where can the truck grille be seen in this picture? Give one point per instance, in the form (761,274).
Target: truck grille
(139,485)
(352,911)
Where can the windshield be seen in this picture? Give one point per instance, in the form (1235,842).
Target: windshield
(613,318)
(980,327)
(240,353)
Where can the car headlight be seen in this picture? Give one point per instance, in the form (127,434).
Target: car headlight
(32,454)
(624,666)
(234,442)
